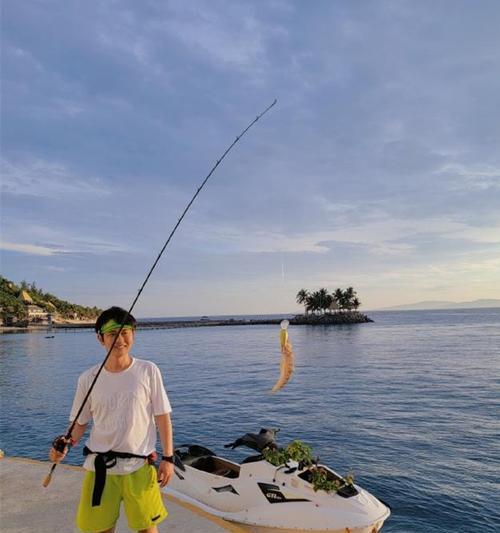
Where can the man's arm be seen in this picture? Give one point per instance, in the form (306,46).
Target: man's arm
(166,469)
(76,435)
(78,432)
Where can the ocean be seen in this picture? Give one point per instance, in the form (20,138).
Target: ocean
(410,403)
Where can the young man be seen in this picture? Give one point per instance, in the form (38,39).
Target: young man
(127,405)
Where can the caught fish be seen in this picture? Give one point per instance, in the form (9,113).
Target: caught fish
(287,358)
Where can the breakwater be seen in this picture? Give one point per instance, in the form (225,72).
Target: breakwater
(342,318)
(349,317)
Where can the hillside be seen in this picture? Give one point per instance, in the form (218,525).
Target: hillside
(25,303)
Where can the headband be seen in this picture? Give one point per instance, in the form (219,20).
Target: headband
(112,325)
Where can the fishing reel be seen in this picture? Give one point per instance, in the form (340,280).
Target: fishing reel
(61,442)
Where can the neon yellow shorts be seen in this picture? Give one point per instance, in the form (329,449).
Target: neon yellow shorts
(141,498)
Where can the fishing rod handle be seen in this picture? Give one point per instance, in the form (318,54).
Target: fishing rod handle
(59,444)
(48,477)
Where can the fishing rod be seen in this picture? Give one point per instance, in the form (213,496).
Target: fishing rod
(61,443)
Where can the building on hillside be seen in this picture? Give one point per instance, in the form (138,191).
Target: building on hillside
(36,314)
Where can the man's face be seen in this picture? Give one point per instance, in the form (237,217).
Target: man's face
(123,344)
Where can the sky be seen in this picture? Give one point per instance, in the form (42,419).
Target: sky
(378,168)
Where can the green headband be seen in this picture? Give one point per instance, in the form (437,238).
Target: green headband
(112,325)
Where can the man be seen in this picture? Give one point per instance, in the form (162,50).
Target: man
(127,406)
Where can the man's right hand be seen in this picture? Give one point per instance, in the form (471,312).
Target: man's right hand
(59,449)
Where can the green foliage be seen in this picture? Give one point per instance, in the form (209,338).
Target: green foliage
(9,301)
(320,481)
(12,305)
(322,302)
(275,456)
(296,451)
(302,453)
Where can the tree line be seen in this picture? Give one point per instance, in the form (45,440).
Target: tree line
(12,304)
(322,301)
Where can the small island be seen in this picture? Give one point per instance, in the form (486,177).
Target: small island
(324,308)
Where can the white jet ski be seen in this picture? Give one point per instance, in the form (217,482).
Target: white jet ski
(267,498)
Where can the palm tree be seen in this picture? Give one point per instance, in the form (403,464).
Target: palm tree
(301,298)
(310,304)
(338,298)
(349,295)
(321,302)
(323,299)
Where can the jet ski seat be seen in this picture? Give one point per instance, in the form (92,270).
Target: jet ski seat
(216,466)
(203,459)
(190,453)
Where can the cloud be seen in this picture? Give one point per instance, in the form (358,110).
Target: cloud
(41,178)
(380,157)
(229,37)
(30,249)
(473,177)
(78,248)
(55,250)
(52,242)
(380,235)
(53,268)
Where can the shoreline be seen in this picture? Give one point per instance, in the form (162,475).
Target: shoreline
(24,497)
(352,317)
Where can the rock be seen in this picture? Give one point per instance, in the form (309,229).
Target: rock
(347,317)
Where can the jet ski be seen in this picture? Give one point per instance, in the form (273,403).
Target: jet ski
(269,498)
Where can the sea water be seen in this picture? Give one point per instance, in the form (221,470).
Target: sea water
(409,403)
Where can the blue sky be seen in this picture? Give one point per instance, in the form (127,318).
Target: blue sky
(378,168)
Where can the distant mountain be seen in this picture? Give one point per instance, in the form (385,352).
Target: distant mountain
(437,304)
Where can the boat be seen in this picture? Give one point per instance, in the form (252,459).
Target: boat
(268,498)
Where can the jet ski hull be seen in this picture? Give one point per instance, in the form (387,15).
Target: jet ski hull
(267,499)
(261,529)
(243,518)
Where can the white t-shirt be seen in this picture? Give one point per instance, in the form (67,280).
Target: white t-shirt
(122,407)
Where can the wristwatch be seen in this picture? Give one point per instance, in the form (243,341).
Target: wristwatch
(168,458)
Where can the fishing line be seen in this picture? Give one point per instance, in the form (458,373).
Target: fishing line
(61,444)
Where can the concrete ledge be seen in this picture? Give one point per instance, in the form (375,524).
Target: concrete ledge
(27,507)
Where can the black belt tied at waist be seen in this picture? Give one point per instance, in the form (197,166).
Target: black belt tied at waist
(103,461)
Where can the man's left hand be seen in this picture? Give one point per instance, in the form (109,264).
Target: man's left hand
(165,473)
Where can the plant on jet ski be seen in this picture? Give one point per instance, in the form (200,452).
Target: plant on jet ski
(321,481)
(296,451)
(301,453)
